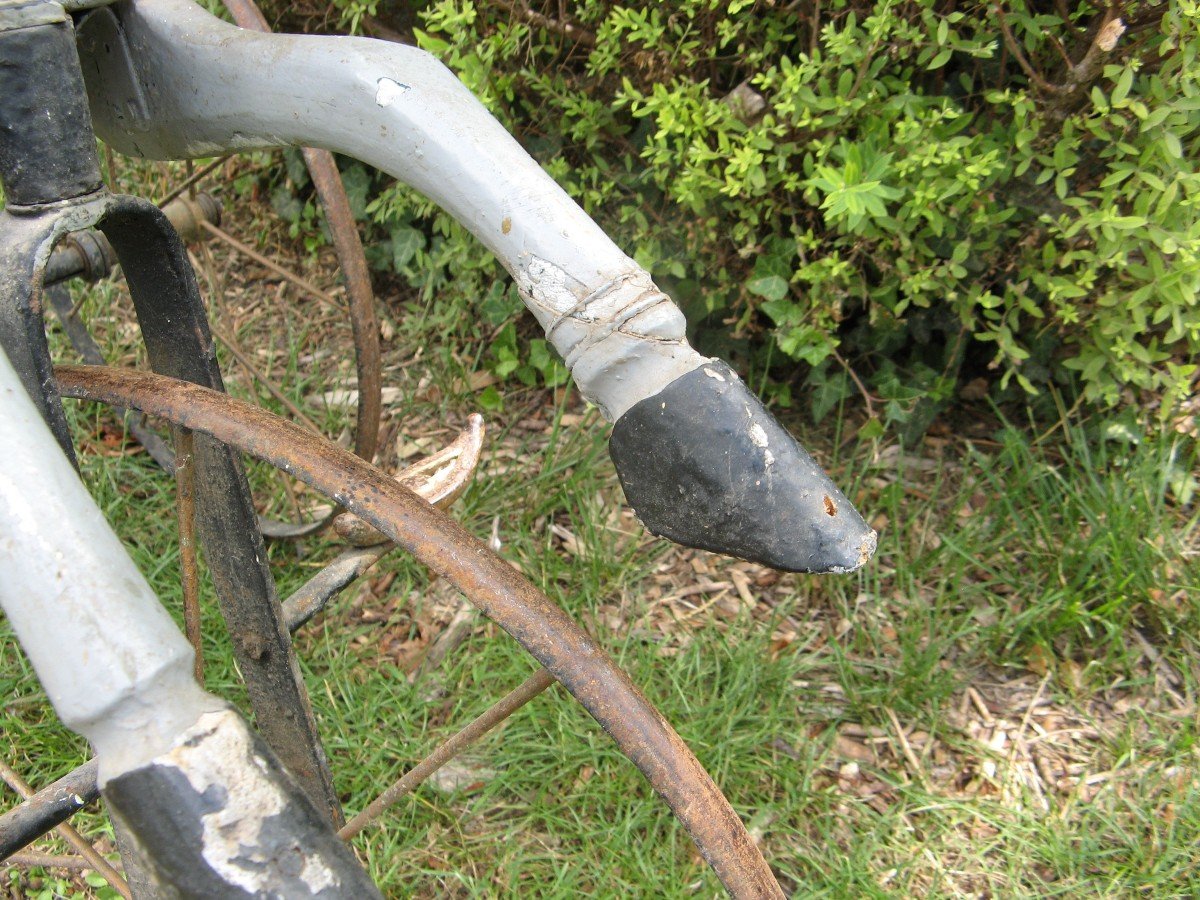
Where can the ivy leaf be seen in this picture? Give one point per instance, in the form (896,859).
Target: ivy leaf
(827,391)
(871,429)
(358,186)
(499,304)
(297,171)
(771,287)
(286,204)
(405,244)
(489,398)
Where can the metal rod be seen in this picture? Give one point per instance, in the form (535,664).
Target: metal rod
(316,593)
(361,299)
(495,587)
(185,515)
(497,713)
(191,180)
(48,860)
(332,193)
(72,837)
(55,803)
(307,286)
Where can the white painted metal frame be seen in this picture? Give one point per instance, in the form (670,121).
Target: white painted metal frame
(118,671)
(112,661)
(217,88)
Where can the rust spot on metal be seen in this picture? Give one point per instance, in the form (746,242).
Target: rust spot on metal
(830,506)
(255,646)
(185,517)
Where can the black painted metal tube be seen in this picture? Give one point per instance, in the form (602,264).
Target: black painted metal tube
(47,146)
(53,804)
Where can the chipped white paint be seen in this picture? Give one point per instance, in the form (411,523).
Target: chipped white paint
(543,285)
(388,92)
(758,437)
(317,875)
(623,339)
(125,681)
(218,752)
(865,551)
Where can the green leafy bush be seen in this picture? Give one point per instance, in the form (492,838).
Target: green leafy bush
(914,194)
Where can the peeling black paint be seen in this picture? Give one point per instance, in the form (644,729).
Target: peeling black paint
(165,814)
(704,464)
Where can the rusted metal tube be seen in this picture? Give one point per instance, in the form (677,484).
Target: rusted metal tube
(500,592)
(247,15)
(359,297)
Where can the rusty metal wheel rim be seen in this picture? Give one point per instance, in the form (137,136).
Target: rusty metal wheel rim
(490,583)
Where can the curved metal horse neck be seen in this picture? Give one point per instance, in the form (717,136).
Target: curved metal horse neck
(158,73)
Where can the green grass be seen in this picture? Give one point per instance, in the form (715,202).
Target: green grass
(1009,570)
